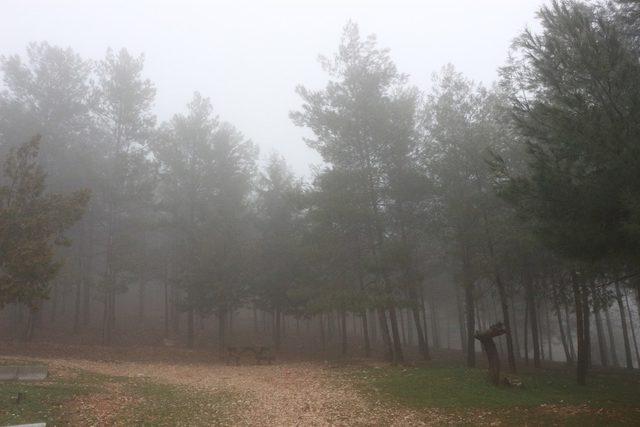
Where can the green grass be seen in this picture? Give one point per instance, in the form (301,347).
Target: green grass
(71,399)
(547,397)
(41,402)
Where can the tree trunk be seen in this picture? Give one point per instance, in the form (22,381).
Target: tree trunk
(397,345)
(78,307)
(409,329)
(587,325)
(612,340)
(625,331)
(323,339)
(401,327)
(470,312)
(533,319)
(602,344)
(222,329)
(108,317)
(489,347)
(54,301)
(569,331)
(386,338)
(502,294)
(461,322)
(540,333)
(190,328)
(563,337)
(633,332)
(343,330)
(78,294)
(423,345)
(548,327)
(516,334)
(526,332)
(141,299)
(166,305)
(434,323)
(31,324)
(581,365)
(365,334)
(86,278)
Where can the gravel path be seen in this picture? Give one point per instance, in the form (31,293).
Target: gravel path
(292,394)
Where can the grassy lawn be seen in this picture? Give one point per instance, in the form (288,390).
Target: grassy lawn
(81,398)
(547,397)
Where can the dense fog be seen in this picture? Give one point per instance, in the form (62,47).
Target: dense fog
(195,176)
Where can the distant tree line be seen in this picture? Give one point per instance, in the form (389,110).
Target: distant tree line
(517,203)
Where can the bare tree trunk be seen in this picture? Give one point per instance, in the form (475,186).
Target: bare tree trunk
(343,330)
(602,344)
(78,306)
(386,338)
(548,327)
(31,322)
(489,347)
(141,298)
(563,337)
(374,328)
(470,312)
(79,281)
(469,309)
(625,331)
(86,278)
(54,301)
(533,318)
(365,333)
(526,332)
(190,328)
(516,335)
(222,329)
(433,311)
(323,339)
(277,330)
(587,326)
(410,328)
(175,312)
(504,305)
(402,328)
(540,332)
(397,345)
(106,318)
(633,332)
(582,363)
(423,344)
(166,304)
(496,318)
(569,332)
(461,322)
(612,341)
(256,328)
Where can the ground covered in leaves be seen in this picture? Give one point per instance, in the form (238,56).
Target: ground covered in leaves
(71,396)
(162,387)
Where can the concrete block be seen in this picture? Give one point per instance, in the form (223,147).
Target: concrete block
(23,373)
(32,372)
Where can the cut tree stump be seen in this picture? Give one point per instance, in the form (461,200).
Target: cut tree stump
(489,348)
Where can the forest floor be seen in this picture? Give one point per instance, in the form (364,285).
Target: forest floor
(101,386)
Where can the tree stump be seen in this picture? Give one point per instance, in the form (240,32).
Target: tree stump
(489,348)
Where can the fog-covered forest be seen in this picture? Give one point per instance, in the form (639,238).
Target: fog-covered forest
(437,216)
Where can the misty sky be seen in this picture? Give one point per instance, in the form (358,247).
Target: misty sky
(249,56)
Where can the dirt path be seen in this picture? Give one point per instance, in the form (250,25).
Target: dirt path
(276,395)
